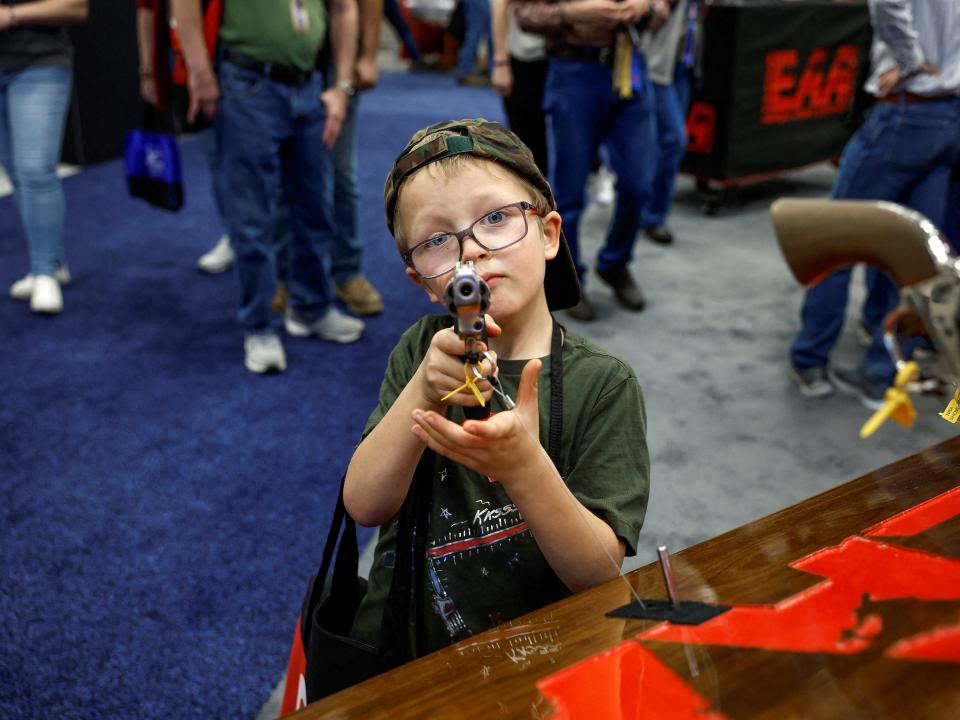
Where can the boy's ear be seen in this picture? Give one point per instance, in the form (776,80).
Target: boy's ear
(421,283)
(552,223)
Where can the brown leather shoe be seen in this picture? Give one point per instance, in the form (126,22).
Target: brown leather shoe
(279,302)
(624,287)
(360,297)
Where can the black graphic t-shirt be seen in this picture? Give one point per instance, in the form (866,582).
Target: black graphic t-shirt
(483,566)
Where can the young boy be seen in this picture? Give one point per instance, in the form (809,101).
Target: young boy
(509,530)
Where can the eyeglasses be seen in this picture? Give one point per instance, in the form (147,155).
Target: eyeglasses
(496,230)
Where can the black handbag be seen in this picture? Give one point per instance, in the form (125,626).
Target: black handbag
(334,660)
(152,161)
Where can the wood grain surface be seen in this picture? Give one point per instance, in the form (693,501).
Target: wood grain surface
(495,674)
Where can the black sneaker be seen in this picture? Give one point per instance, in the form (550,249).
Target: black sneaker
(624,287)
(583,310)
(854,382)
(660,235)
(813,381)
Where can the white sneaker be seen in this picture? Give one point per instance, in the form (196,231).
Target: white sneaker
(604,192)
(46,296)
(264,353)
(219,258)
(22,289)
(333,325)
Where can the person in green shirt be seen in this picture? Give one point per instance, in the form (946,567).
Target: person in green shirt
(511,527)
(276,122)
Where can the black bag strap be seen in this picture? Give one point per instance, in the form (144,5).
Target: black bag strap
(555,439)
(344,593)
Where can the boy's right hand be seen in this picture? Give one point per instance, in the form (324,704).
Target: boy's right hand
(441,370)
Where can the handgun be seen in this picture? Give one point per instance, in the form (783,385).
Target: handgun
(467,299)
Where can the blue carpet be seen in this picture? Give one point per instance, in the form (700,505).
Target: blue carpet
(160,507)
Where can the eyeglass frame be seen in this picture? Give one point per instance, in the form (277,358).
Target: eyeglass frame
(524,205)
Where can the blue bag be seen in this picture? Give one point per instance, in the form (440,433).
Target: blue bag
(152,162)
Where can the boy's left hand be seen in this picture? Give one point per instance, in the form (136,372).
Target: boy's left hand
(505,446)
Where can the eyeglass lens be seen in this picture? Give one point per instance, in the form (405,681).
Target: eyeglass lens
(494,231)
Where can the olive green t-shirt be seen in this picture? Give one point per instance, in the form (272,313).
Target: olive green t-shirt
(264,29)
(483,566)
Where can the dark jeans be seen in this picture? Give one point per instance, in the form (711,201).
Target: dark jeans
(586,112)
(904,153)
(671,116)
(524,107)
(270,137)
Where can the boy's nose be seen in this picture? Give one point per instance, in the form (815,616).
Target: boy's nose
(472,249)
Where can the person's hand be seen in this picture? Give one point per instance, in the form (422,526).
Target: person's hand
(502,79)
(661,13)
(888,81)
(366,73)
(148,88)
(334,101)
(503,447)
(632,10)
(441,370)
(204,94)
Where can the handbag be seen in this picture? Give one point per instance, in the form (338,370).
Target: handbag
(152,161)
(323,658)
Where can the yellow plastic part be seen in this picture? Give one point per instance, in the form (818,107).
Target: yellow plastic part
(896,402)
(952,413)
(471,383)
(623,67)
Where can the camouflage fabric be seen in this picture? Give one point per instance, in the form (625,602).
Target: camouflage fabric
(490,141)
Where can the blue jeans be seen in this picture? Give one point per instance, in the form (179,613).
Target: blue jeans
(905,154)
(477,21)
(208,144)
(33,114)
(393,15)
(584,113)
(270,137)
(671,133)
(346,252)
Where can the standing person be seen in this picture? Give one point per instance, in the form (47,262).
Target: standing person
(394,16)
(519,75)
(162,87)
(36,61)
(276,124)
(571,463)
(671,90)
(346,250)
(586,109)
(476,16)
(904,152)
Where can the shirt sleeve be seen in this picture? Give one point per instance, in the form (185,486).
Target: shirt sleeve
(893,24)
(611,474)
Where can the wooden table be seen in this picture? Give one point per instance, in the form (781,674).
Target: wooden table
(836,615)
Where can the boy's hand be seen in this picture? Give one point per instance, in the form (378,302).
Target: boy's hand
(441,371)
(504,447)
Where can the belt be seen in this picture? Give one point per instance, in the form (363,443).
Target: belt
(281,73)
(583,53)
(910,98)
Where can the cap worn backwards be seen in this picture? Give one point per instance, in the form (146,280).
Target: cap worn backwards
(489,141)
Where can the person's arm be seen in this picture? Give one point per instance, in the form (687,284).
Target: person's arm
(343,45)
(382,466)
(371,15)
(544,17)
(201,80)
(893,24)
(44,12)
(502,76)
(577,544)
(145,26)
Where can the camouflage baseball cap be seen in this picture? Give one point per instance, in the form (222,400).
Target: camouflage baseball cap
(490,141)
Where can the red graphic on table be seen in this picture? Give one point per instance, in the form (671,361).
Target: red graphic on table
(625,682)
(630,682)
